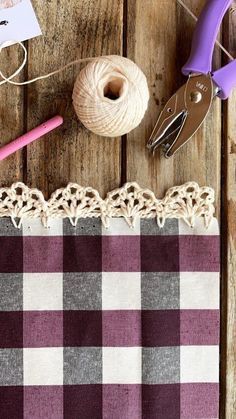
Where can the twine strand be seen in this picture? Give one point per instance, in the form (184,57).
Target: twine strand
(77,61)
(45,76)
(196,19)
(112,83)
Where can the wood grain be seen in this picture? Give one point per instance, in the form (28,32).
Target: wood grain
(72,29)
(11,117)
(167,31)
(157,36)
(149,30)
(228,376)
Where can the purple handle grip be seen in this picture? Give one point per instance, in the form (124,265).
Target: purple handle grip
(225,79)
(205,35)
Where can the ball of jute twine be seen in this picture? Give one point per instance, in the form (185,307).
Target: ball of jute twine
(111,96)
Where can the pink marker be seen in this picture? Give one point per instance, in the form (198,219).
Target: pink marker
(31,136)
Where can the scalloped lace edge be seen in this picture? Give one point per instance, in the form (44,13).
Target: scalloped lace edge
(186,202)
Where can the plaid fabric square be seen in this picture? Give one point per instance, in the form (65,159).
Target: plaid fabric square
(114,323)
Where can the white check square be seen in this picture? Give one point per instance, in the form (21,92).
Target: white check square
(122,365)
(43,291)
(120,227)
(35,227)
(199,290)
(43,366)
(199,228)
(121,291)
(199,364)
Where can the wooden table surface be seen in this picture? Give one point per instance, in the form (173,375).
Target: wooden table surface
(156,34)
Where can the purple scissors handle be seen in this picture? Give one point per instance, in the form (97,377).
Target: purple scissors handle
(200,60)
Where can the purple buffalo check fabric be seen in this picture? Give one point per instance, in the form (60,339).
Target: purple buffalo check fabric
(113,324)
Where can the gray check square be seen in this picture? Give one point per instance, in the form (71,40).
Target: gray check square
(11,367)
(161,365)
(11,291)
(84,227)
(82,291)
(160,290)
(8,229)
(149,227)
(83,365)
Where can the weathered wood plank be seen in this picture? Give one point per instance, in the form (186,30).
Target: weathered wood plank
(11,117)
(72,30)
(151,43)
(159,39)
(229,239)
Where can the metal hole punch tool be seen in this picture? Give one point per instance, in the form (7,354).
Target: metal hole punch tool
(185,112)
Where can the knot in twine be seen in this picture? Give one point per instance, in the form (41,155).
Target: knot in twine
(111,96)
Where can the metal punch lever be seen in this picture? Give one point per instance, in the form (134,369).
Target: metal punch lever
(185,112)
(182,115)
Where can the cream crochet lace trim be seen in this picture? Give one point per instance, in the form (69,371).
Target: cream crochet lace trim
(130,202)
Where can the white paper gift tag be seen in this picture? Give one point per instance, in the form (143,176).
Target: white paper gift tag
(18,21)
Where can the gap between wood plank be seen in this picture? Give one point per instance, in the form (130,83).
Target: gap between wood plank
(25,116)
(224,239)
(224,267)
(124,137)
